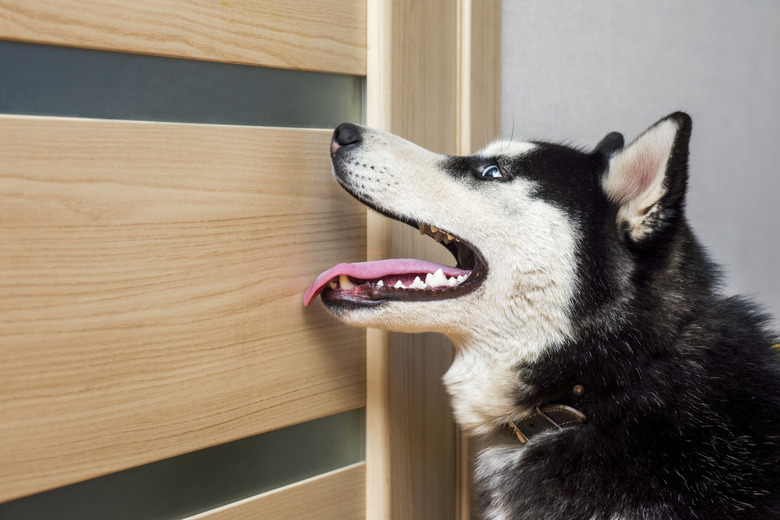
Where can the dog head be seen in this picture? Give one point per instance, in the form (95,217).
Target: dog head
(543,234)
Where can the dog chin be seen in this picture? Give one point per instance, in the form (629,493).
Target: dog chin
(385,315)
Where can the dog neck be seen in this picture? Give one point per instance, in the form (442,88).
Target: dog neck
(484,382)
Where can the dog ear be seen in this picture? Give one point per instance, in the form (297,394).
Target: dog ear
(611,144)
(648,178)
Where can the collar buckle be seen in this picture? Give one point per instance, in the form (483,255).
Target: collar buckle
(545,418)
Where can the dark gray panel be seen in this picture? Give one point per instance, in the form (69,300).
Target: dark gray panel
(63,81)
(201,480)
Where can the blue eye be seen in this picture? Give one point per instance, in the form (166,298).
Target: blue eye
(491,172)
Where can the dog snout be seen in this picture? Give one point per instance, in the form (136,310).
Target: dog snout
(345,134)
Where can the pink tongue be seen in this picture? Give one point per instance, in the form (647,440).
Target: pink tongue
(379,269)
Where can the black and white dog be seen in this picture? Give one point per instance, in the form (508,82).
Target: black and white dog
(596,359)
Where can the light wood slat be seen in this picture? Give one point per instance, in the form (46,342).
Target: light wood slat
(338,495)
(151,278)
(433,78)
(480,74)
(412,91)
(326,35)
(479,124)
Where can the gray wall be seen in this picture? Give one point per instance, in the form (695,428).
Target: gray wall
(574,71)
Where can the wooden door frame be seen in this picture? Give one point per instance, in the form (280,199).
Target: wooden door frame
(433,77)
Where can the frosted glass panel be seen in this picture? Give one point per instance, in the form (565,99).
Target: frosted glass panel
(201,480)
(62,81)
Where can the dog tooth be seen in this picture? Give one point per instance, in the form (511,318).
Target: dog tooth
(461,278)
(417,284)
(434,229)
(345,282)
(421,227)
(437,279)
(399,285)
(380,283)
(333,284)
(450,238)
(452,282)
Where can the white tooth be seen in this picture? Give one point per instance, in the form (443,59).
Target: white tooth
(399,285)
(452,282)
(417,284)
(429,279)
(345,282)
(380,283)
(438,279)
(461,278)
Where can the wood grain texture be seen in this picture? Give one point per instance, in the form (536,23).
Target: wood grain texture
(412,91)
(479,108)
(323,35)
(479,75)
(151,279)
(338,495)
(433,78)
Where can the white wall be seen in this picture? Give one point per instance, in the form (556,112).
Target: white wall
(574,71)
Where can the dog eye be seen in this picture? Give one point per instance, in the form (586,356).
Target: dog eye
(491,172)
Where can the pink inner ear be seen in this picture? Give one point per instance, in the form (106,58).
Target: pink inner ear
(640,174)
(636,169)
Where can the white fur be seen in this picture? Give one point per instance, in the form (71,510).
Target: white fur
(529,246)
(510,148)
(491,465)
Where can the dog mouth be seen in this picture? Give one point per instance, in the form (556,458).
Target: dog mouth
(371,283)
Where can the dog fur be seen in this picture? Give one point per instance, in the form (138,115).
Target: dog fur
(587,274)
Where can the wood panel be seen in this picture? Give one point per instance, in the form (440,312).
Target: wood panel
(151,278)
(326,35)
(338,495)
(479,106)
(480,74)
(433,78)
(413,92)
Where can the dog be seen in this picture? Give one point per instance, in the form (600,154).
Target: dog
(604,372)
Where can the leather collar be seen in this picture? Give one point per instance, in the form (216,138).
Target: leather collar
(545,418)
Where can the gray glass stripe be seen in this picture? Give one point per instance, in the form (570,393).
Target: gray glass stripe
(62,81)
(199,481)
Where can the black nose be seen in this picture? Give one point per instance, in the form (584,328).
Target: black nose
(345,134)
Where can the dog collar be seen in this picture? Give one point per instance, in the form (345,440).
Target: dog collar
(545,418)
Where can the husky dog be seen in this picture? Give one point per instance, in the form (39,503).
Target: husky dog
(596,359)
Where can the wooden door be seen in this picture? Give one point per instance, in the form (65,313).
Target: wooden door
(152,270)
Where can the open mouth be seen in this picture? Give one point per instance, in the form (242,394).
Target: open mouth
(370,283)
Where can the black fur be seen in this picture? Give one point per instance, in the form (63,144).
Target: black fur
(681,382)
